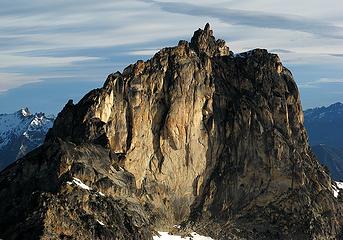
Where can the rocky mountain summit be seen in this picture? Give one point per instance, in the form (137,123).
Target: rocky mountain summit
(196,136)
(20,133)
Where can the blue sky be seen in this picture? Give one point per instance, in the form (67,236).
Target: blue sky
(51,51)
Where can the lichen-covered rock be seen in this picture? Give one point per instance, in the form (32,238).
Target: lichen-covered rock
(196,135)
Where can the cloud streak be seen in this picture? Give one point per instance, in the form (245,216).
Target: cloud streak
(10,80)
(321,81)
(337,55)
(329,80)
(257,19)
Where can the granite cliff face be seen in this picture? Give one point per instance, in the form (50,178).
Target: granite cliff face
(195,135)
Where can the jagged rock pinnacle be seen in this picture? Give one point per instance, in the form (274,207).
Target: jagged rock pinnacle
(203,41)
(207,27)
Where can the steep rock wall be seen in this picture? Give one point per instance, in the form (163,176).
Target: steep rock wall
(214,136)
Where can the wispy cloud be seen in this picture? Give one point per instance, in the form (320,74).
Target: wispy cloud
(321,81)
(329,80)
(258,19)
(278,50)
(337,54)
(15,61)
(307,86)
(144,52)
(10,80)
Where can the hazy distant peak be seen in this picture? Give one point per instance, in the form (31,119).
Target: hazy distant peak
(25,112)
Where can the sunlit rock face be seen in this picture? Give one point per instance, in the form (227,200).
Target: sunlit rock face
(157,114)
(197,135)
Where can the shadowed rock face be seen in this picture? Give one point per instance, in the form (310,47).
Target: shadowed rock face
(197,134)
(64,191)
(260,173)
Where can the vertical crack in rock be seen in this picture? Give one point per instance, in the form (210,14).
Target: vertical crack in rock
(157,128)
(128,126)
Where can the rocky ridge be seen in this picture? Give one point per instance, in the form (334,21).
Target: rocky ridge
(195,135)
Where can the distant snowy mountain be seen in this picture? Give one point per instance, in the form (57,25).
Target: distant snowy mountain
(325,130)
(20,133)
(325,125)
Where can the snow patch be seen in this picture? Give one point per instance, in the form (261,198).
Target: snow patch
(337,189)
(166,236)
(25,112)
(101,223)
(79,183)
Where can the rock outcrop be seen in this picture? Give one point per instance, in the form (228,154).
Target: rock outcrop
(196,135)
(67,191)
